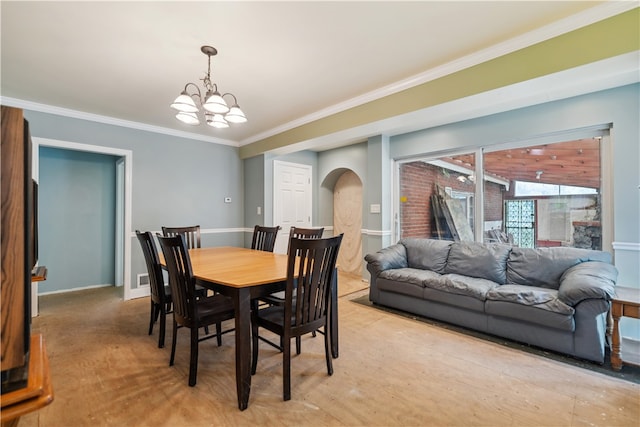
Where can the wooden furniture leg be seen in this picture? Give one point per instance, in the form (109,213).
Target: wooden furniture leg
(616,360)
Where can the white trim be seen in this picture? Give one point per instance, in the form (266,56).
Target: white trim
(205,231)
(555,29)
(563,26)
(128,185)
(367,232)
(66,112)
(630,350)
(84,288)
(135,293)
(626,246)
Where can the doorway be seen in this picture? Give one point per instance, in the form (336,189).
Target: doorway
(292,201)
(123,164)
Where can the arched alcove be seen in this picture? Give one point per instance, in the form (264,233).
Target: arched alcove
(346,189)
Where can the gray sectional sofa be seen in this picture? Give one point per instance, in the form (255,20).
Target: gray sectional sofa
(554,298)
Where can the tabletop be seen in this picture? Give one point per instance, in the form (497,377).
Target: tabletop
(238,267)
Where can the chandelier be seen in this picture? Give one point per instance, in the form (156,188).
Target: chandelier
(214,108)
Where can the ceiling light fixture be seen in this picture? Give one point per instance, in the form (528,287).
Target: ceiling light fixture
(214,108)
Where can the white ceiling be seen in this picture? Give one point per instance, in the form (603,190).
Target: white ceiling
(284,61)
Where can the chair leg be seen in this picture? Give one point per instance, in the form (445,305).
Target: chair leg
(327,350)
(163,327)
(151,316)
(173,342)
(193,363)
(219,333)
(286,370)
(298,344)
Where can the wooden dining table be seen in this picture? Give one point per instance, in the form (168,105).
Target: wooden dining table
(245,274)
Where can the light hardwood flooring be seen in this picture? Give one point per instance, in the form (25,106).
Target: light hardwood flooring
(392,371)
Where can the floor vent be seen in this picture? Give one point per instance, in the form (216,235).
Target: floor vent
(143,280)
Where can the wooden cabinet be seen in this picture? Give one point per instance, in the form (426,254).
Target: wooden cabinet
(16,213)
(26,384)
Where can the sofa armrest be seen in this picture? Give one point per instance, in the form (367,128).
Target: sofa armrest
(593,279)
(394,256)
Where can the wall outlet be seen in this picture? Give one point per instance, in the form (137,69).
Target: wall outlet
(259,210)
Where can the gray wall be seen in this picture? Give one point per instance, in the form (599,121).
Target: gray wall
(76,220)
(179,181)
(175,181)
(618,107)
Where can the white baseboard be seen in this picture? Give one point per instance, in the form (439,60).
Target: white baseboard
(64,291)
(630,350)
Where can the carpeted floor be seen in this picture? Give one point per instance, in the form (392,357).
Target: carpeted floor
(628,373)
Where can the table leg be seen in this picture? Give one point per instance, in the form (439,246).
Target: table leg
(616,360)
(242,306)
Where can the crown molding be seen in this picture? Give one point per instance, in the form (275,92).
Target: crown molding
(66,112)
(555,29)
(587,17)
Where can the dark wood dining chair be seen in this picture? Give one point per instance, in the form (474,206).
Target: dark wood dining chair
(189,310)
(295,233)
(304,233)
(307,307)
(191,234)
(277,298)
(161,300)
(264,238)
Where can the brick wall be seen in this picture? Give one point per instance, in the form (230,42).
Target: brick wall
(418,181)
(493,202)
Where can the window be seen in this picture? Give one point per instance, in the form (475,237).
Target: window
(534,195)
(556,185)
(437,198)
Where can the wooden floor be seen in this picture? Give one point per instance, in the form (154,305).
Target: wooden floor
(392,371)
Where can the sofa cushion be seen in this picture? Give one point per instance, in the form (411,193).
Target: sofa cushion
(408,281)
(474,259)
(541,298)
(427,254)
(530,314)
(543,267)
(463,285)
(457,303)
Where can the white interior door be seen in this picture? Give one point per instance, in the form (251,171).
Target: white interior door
(292,199)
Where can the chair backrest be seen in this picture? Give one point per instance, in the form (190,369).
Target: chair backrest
(191,234)
(304,233)
(264,238)
(156,279)
(181,280)
(310,274)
